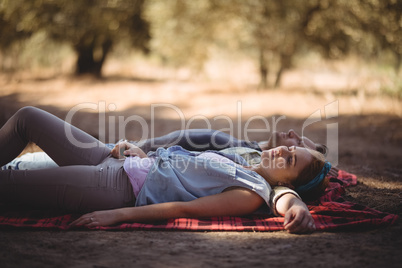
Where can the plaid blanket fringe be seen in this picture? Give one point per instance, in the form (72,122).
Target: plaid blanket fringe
(330,213)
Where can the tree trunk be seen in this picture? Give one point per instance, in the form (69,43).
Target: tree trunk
(263,71)
(279,77)
(87,63)
(285,64)
(398,63)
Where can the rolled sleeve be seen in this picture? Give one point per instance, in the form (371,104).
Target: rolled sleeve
(278,192)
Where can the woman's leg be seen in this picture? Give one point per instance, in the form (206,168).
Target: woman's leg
(64,143)
(73,188)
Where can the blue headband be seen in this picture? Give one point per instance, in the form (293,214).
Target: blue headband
(314,182)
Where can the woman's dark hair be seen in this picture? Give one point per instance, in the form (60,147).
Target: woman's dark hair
(321,148)
(310,172)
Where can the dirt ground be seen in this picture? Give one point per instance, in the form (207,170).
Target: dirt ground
(369,129)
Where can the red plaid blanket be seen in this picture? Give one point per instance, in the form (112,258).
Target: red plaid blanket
(330,212)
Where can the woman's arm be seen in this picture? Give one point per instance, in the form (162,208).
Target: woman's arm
(235,202)
(297,216)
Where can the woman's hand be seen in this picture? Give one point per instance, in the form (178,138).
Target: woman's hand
(98,218)
(298,218)
(127,149)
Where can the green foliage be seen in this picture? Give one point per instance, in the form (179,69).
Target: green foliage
(362,27)
(184,32)
(273,32)
(84,22)
(393,88)
(11,26)
(91,26)
(33,56)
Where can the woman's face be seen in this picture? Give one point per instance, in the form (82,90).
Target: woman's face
(291,138)
(282,165)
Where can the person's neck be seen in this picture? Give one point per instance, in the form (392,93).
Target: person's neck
(257,169)
(263,145)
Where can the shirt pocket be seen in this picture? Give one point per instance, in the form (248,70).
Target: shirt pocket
(221,170)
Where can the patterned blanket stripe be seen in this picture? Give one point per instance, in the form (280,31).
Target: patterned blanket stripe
(330,212)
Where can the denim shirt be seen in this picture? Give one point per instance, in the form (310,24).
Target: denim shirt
(178,175)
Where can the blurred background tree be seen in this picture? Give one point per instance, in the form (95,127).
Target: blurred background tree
(185,33)
(274,32)
(363,27)
(91,27)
